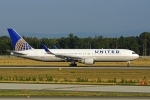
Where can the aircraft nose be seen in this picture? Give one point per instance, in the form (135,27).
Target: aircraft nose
(137,56)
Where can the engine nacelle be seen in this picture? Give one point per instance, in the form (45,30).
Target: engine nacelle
(87,61)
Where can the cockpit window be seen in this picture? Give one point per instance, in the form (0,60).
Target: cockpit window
(133,53)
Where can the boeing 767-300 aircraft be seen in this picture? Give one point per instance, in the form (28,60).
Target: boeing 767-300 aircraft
(85,56)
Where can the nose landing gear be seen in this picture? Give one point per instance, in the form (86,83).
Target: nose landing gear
(128,64)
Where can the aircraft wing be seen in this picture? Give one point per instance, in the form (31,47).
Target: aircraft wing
(61,55)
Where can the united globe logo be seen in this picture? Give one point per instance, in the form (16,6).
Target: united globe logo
(22,45)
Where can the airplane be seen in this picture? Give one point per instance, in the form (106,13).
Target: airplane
(85,56)
(55,47)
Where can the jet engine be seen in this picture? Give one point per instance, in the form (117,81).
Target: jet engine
(89,61)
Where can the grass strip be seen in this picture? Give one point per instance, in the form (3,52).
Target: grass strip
(52,93)
(76,76)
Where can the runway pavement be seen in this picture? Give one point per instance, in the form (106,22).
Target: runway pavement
(71,87)
(52,67)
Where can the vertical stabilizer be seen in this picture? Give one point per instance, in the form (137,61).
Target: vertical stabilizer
(18,42)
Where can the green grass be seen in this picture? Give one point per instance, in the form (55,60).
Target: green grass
(75,93)
(76,76)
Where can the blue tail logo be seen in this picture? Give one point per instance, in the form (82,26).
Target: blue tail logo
(18,42)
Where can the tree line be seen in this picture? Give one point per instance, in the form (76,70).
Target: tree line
(140,44)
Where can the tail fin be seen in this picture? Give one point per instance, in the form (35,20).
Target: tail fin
(18,42)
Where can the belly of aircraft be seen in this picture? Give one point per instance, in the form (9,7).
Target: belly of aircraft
(44,58)
(113,58)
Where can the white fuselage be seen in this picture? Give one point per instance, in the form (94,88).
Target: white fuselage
(99,55)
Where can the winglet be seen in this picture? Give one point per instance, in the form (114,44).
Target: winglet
(54,47)
(46,49)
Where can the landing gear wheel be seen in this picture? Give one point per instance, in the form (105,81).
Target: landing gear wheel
(128,64)
(73,63)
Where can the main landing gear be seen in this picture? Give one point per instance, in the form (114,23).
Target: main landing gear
(73,63)
(128,64)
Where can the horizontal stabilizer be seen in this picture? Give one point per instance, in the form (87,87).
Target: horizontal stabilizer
(17,53)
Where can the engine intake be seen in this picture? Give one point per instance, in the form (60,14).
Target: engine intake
(89,61)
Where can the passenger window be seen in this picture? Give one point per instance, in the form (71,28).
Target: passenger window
(133,53)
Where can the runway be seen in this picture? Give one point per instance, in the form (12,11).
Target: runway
(77,88)
(74,88)
(52,67)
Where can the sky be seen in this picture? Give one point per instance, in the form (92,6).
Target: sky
(108,18)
